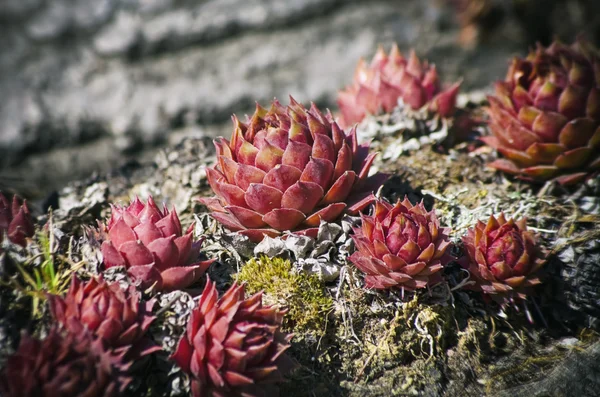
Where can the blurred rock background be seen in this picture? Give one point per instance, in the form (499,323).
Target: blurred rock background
(88,84)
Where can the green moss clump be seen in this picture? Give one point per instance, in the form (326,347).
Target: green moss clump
(303,294)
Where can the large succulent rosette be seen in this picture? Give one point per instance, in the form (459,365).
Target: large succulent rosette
(65,365)
(503,258)
(104,309)
(287,169)
(151,245)
(400,246)
(545,116)
(15,220)
(233,346)
(378,86)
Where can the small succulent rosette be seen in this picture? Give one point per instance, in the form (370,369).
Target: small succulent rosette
(287,169)
(233,346)
(116,315)
(150,244)
(545,116)
(503,258)
(63,364)
(400,246)
(377,87)
(15,220)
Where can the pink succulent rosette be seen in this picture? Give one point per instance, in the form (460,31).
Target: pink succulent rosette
(378,86)
(15,220)
(233,345)
(545,116)
(400,246)
(151,245)
(65,365)
(104,309)
(287,169)
(503,257)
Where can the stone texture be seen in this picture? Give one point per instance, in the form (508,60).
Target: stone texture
(72,71)
(577,375)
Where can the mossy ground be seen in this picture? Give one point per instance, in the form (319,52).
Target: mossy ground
(437,342)
(354,342)
(303,294)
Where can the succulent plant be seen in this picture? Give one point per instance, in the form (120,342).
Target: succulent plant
(149,242)
(400,246)
(378,86)
(233,346)
(545,116)
(65,365)
(287,169)
(107,311)
(15,220)
(503,258)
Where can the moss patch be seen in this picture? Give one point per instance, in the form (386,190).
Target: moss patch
(303,294)
(391,347)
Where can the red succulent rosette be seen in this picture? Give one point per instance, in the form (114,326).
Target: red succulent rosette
(287,169)
(378,86)
(117,316)
(503,257)
(151,245)
(65,365)
(545,116)
(15,220)
(233,346)
(400,246)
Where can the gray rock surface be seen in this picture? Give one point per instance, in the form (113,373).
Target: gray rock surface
(577,375)
(72,71)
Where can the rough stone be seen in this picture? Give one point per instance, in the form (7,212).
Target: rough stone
(16,9)
(577,375)
(132,70)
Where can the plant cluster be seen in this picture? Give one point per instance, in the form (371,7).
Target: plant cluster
(404,246)
(101,328)
(285,171)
